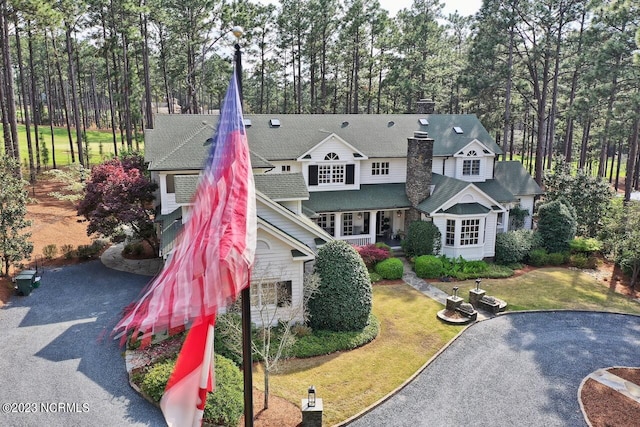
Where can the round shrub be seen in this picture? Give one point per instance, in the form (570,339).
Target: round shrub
(538,257)
(224,407)
(556,225)
(372,254)
(343,299)
(374,277)
(423,238)
(557,258)
(390,269)
(578,260)
(428,266)
(513,246)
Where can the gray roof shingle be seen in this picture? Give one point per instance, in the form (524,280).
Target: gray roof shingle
(515,178)
(282,186)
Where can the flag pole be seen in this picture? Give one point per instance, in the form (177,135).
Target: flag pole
(247,363)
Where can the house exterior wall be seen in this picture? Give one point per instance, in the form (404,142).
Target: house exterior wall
(397,171)
(280,221)
(527,202)
(294,206)
(274,263)
(345,155)
(293,165)
(490,231)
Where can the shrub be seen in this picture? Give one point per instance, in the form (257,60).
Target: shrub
(585,245)
(224,407)
(390,269)
(372,254)
(557,258)
(423,238)
(578,260)
(68,251)
(428,266)
(134,248)
(593,263)
(556,225)
(374,277)
(382,245)
(513,246)
(327,342)
(343,299)
(50,251)
(538,257)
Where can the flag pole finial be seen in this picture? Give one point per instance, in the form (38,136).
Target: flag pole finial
(237,31)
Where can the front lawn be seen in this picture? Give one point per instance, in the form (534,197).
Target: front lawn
(548,289)
(350,381)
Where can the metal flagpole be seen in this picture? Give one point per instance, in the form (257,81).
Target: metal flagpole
(247,363)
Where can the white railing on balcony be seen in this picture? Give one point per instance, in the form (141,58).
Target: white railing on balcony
(361,240)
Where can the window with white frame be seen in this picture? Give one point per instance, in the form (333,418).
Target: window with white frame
(471,167)
(286,168)
(450,237)
(380,168)
(332,156)
(271,293)
(331,174)
(347,224)
(470,232)
(326,222)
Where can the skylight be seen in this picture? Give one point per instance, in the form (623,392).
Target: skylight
(274,123)
(423,122)
(458,130)
(247,123)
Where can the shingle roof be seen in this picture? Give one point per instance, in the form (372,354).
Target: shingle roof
(495,190)
(185,187)
(467,209)
(282,186)
(515,178)
(177,141)
(371,196)
(445,188)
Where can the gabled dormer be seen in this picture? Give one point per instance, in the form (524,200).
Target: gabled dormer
(474,162)
(331,165)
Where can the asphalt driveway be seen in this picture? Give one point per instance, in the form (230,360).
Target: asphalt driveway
(520,369)
(55,366)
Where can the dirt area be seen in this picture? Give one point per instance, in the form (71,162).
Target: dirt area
(56,222)
(606,407)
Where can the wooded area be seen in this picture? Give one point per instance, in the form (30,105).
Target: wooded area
(546,77)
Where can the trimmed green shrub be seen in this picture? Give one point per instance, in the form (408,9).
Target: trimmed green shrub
(557,258)
(513,246)
(390,269)
(224,407)
(578,260)
(538,257)
(382,245)
(423,238)
(327,342)
(428,266)
(585,245)
(556,225)
(50,251)
(374,277)
(343,299)
(68,251)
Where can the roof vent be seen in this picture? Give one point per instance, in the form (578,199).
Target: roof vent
(274,123)
(458,130)
(420,134)
(345,124)
(423,122)
(247,123)
(391,123)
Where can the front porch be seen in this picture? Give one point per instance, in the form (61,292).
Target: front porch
(365,227)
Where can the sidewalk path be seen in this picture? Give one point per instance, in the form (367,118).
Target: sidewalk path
(112,258)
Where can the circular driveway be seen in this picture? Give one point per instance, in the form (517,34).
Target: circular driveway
(519,369)
(58,365)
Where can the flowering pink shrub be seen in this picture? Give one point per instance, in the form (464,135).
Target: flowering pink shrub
(371,254)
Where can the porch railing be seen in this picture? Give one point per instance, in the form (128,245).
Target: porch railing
(356,240)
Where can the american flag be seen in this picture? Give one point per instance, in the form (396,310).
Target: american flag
(209,266)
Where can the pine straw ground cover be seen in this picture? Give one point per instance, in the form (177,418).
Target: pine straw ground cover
(350,381)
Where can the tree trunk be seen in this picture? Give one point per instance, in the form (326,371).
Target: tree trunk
(49,91)
(25,104)
(9,93)
(631,160)
(266,388)
(33,95)
(74,95)
(146,72)
(507,97)
(65,108)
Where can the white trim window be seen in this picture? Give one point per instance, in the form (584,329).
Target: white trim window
(347,224)
(470,232)
(326,221)
(380,168)
(271,293)
(471,167)
(450,236)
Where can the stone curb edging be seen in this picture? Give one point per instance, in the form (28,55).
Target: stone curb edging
(590,376)
(435,356)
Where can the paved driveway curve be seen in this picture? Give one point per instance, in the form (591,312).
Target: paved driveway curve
(519,369)
(51,352)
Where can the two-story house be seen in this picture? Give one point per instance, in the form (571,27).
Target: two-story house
(359,178)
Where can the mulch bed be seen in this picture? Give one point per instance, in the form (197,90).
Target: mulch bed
(605,407)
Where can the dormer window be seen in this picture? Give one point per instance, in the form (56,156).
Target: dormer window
(332,156)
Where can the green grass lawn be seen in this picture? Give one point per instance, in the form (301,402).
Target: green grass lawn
(548,289)
(350,381)
(100,145)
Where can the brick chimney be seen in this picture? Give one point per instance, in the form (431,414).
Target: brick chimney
(426,106)
(419,165)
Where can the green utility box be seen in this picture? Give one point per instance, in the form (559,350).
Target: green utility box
(24,281)
(35,282)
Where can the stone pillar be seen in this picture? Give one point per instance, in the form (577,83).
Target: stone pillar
(311,415)
(419,168)
(475,297)
(426,106)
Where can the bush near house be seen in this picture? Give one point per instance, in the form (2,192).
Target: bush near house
(556,225)
(513,246)
(428,266)
(423,238)
(585,245)
(372,254)
(390,269)
(343,299)
(224,407)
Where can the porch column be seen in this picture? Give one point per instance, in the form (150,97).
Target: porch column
(337,232)
(373,226)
